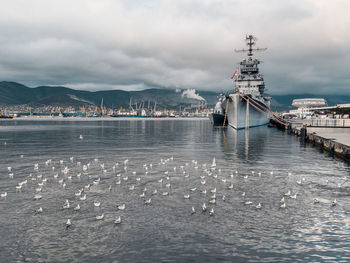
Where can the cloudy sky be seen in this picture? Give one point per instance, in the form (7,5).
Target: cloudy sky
(133,45)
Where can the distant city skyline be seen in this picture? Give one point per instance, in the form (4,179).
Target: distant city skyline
(186,44)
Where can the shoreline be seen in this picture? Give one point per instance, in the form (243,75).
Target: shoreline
(336,143)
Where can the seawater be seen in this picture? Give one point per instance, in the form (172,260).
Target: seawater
(263,163)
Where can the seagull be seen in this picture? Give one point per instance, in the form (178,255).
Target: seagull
(193,189)
(121,207)
(203,182)
(288,193)
(132,187)
(294,196)
(204,191)
(316,201)
(213,163)
(148,202)
(97,204)
(66,204)
(248,203)
(204,207)
(154,192)
(68,223)
(100,217)
(39,210)
(282,200)
(77,207)
(258,206)
(334,203)
(223,198)
(118,220)
(211,212)
(213,190)
(142,195)
(81,137)
(230,186)
(83,197)
(193,210)
(36,197)
(9,169)
(212,201)
(187,196)
(167,185)
(165,193)
(283,205)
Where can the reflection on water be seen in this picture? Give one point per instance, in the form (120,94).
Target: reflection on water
(259,166)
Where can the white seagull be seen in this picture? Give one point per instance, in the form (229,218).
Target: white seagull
(118,220)
(211,212)
(100,217)
(121,207)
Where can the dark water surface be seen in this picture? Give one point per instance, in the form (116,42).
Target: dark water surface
(166,230)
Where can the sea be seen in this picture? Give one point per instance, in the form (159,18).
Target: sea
(269,196)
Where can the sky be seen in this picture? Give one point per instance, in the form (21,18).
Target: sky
(182,44)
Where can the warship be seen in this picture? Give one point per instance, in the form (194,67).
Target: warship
(246,106)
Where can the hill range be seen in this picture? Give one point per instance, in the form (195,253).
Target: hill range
(12,93)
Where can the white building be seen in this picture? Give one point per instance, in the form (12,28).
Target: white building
(306,107)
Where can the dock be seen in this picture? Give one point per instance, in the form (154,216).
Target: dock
(331,135)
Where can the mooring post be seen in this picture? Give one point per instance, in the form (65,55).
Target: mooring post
(303,132)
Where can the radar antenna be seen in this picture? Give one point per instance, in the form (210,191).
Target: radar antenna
(250,40)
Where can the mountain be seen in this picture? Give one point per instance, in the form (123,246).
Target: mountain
(12,93)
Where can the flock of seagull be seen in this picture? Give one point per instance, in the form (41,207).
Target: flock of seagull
(159,176)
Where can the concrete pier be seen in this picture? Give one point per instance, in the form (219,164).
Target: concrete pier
(335,140)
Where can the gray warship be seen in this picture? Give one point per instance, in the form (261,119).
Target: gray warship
(247,106)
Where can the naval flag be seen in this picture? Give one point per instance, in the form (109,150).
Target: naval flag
(235,74)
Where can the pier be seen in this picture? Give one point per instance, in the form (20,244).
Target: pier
(333,135)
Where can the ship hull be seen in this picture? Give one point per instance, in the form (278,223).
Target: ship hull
(217,119)
(236,113)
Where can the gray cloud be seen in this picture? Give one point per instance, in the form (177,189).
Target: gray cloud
(187,44)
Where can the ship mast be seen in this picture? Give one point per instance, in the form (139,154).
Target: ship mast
(250,40)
